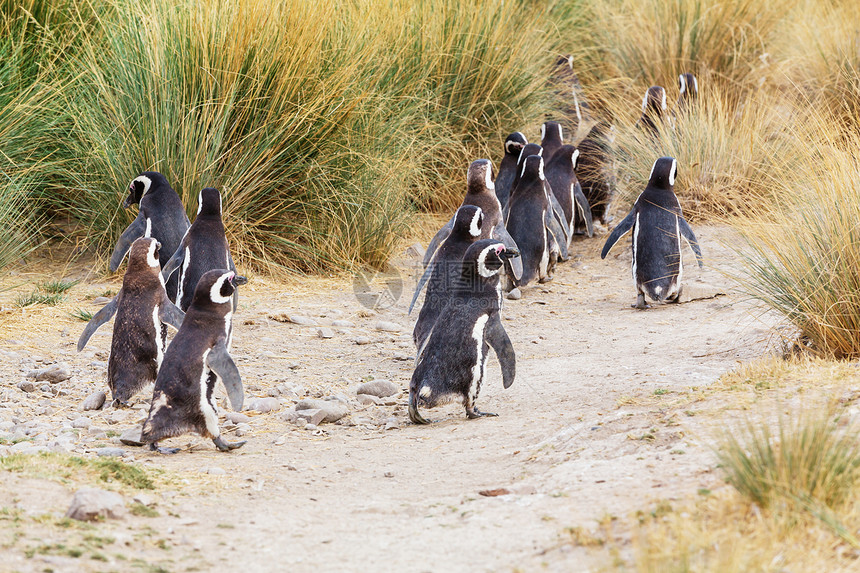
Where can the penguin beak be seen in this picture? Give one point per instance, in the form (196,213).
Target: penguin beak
(509,254)
(238,280)
(128,200)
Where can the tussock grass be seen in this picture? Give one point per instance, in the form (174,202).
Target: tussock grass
(74,468)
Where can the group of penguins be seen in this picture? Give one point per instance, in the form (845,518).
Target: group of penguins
(513,229)
(510,230)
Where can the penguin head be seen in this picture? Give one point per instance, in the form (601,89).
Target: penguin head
(529,149)
(209,202)
(216,287)
(532,168)
(654,100)
(468,222)
(141,185)
(663,173)
(551,131)
(480,176)
(485,258)
(564,62)
(515,143)
(688,85)
(144,255)
(566,153)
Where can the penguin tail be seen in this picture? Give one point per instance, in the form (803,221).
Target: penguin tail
(414,414)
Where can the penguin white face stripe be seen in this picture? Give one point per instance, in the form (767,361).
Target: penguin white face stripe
(650,175)
(645,103)
(474,229)
(683,83)
(560,136)
(574,157)
(147,183)
(664,97)
(215,291)
(695,84)
(150,254)
(482,264)
(148,232)
(540,170)
(543,131)
(488,177)
(673,171)
(199,202)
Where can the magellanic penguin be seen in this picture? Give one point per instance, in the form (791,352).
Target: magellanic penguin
(653,111)
(514,144)
(197,358)
(658,226)
(142,307)
(551,139)
(529,221)
(561,176)
(481,192)
(595,170)
(203,248)
(688,87)
(453,359)
(161,216)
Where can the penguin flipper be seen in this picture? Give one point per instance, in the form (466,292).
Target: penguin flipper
(618,232)
(516,263)
(174,263)
(558,215)
(133,232)
(558,233)
(501,343)
(232,267)
(438,239)
(421,282)
(688,234)
(220,362)
(170,314)
(101,317)
(584,208)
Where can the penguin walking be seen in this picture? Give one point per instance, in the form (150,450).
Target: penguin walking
(561,176)
(444,270)
(653,110)
(142,307)
(514,144)
(453,359)
(688,95)
(203,248)
(197,358)
(551,139)
(530,223)
(657,225)
(595,170)
(161,216)
(481,192)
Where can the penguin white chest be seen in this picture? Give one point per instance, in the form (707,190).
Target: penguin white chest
(478,368)
(209,414)
(159,342)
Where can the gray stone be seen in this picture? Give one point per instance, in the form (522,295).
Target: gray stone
(362,340)
(416,251)
(94,401)
(302,320)
(334,410)
(367,400)
(378,388)
(387,326)
(264,405)
(314,416)
(53,374)
(110,452)
(325,332)
(27,386)
(311,427)
(89,504)
(82,422)
(403,357)
(131,437)
(515,294)
(238,418)
(342,324)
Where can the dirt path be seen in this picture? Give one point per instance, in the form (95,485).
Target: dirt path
(583,433)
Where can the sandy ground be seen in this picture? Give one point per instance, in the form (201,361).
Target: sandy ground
(602,421)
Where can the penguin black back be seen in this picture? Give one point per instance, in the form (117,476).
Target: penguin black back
(552,139)
(526,221)
(514,144)
(161,216)
(561,176)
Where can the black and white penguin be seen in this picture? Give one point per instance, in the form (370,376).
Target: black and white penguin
(653,111)
(161,216)
(561,176)
(445,269)
(688,87)
(551,139)
(566,84)
(529,220)
(142,307)
(203,248)
(197,358)
(481,192)
(595,170)
(658,226)
(452,361)
(514,144)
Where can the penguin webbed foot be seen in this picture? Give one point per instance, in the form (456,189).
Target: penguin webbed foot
(227,446)
(153,446)
(117,403)
(475,413)
(640,302)
(416,416)
(677,298)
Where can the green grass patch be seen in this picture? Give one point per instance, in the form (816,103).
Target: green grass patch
(142,510)
(83,315)
(74,469)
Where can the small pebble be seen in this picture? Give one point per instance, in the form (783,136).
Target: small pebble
(110,452)
(27,386)
(238,418)
(94,401)
(264,405)
(81,422)
(362,340)
(325,332)
(342,324)
(515,294)
(378,388)
(387,326)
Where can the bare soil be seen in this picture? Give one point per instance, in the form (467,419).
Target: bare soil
(602,421)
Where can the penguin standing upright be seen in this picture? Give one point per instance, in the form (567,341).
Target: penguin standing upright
(452,361)
(658,226)
(444,270)
(481,192)
(653,109)
(595,170)
(551,139)
(528,221)
(203,248)
(197,358)
(514,144)
(561,177)
(688,95)
(161,216)
(139,338)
